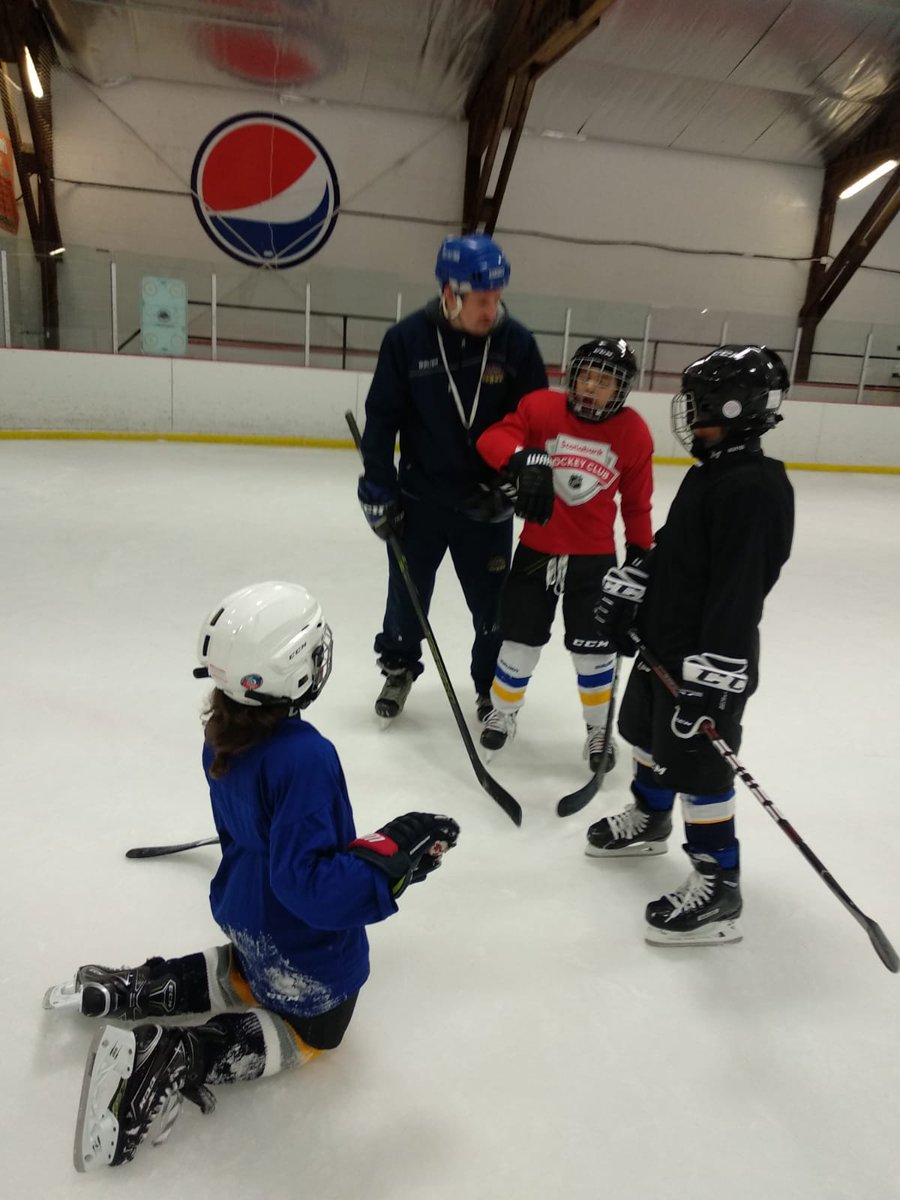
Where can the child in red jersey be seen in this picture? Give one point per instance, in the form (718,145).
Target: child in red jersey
(570,454)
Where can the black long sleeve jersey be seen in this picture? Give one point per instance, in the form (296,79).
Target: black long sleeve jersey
(411,395)
(727,535)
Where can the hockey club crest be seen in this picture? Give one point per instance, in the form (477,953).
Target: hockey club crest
(582,468)
(251,682)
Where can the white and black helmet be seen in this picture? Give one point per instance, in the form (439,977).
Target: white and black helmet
(266,644)
(603,356)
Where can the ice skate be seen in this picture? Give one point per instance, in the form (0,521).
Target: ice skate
(135,1081)
(637,830)
(704,911)
(483,706)
(126,993)
(393,695)
(594,746)
(499,728)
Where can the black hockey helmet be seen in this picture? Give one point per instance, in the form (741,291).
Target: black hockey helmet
(603,356)
(737,387)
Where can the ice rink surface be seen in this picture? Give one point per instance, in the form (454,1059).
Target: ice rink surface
(517,1039)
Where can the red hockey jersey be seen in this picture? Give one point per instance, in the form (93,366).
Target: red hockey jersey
(592,461)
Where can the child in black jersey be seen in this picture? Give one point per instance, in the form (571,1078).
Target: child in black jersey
(696,604)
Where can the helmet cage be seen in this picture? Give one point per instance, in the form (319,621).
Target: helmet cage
(612,358)
(321,665)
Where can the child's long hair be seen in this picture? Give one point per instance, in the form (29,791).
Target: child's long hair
(232,728)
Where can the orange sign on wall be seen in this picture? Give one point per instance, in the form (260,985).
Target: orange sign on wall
(9,210)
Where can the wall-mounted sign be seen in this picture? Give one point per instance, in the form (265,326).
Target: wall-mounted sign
(163,315)
(9,210)
(265,190)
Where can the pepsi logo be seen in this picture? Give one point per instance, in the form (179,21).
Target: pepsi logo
(265,190)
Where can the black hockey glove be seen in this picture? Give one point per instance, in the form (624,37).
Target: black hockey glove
(381,509)
(532,471)
(407,848)
(616,611)
(491,502)
(710,683)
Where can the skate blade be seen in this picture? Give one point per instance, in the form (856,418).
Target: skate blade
(385,722)
(110,1061)
(63,995)
(636,850)
(716,933)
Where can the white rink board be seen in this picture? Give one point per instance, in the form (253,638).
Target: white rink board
(62,391)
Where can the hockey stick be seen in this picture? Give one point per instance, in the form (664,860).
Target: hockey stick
(877,936)
(575,801)
(159,851)
(508,803)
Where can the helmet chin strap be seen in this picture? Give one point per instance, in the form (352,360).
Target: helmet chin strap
(457,306)
(452,315)
(729,443)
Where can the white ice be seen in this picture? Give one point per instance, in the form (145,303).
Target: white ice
(517,1038)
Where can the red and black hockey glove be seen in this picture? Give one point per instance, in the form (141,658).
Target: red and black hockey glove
(408,848)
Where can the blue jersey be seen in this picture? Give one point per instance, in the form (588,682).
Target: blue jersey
(411,395)
(287,894)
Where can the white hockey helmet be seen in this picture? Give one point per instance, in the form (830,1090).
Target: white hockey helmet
(266,644)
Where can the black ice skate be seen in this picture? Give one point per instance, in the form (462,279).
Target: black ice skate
(637,830)
(594,746)
(135,1082)
(704,910)
(499,728)
(126,993)
(483,706)
(394,693)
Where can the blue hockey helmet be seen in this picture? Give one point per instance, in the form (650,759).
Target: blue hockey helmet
(472,263)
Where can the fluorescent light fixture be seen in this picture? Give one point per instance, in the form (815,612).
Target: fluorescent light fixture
(31,71)
(560,135)
(867,179)
(58,250)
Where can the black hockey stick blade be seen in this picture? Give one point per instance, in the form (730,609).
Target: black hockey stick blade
(575,801)
(883,947)
(159,851)
(499,794)
(507,802)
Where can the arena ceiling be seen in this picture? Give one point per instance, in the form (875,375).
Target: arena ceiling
(792,81)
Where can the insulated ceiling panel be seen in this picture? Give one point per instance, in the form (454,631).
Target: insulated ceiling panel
(788,80)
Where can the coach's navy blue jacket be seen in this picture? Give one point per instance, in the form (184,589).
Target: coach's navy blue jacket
(410,395)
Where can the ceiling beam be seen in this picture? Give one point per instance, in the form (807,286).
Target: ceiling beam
(863,238)
(21,26)
(538,33)
(825,282)
(879,141)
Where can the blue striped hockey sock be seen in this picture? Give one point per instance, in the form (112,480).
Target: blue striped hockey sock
(709,826)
